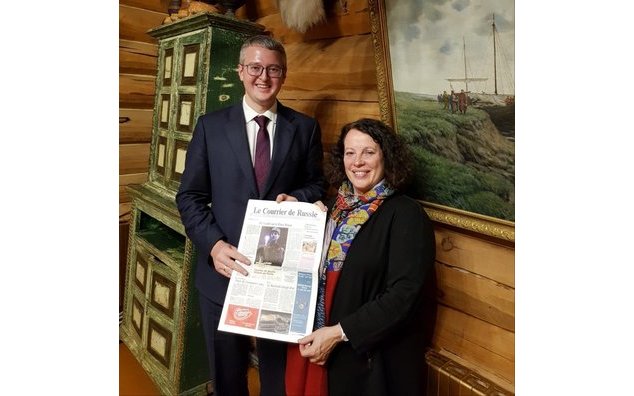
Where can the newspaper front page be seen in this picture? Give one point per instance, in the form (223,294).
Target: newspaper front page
(277,299)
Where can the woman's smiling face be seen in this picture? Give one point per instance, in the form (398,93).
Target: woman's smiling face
(363,161)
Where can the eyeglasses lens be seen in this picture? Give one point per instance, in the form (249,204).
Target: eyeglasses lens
(271,71)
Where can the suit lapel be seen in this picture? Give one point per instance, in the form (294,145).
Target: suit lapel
(236,134)
(284,133)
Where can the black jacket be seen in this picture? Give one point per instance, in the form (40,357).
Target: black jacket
(378,302)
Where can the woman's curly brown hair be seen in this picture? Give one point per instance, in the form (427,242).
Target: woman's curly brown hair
(397,159)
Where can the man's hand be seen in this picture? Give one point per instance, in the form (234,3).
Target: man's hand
(318,345)
(226,257)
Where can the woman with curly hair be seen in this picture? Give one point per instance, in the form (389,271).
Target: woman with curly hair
(368,337)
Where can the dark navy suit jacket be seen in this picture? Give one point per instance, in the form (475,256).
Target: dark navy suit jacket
(218,180)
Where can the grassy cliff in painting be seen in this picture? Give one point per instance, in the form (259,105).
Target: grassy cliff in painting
(462,160)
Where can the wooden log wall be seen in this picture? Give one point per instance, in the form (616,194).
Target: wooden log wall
(332,76)
(137,71)
(475,322)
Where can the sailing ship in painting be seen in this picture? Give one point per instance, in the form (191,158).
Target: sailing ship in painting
(500,104)
(496,98)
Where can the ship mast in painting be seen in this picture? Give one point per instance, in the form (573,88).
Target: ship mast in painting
(466,79)
(495,63)
(495,97)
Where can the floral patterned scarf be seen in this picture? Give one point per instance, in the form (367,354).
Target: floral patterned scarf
(350,213)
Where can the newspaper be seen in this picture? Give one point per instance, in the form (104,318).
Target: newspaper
(277,299)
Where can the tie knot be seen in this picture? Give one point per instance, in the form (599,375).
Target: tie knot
(261,120)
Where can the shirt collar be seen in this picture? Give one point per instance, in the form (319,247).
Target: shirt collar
(249,113)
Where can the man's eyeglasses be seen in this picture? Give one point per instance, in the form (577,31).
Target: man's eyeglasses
(256,70)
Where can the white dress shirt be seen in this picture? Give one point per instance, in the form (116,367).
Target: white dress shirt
(252,126)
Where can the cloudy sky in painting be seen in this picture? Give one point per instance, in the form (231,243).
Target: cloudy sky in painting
(426,43)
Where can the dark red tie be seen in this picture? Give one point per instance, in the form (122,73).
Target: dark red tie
(262,160)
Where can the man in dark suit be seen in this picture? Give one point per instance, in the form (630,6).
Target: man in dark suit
(223,170)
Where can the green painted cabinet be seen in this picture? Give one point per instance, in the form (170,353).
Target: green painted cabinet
(197,73)
(161,325)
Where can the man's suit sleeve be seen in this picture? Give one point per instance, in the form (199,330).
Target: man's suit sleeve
(314,185)
(194,195)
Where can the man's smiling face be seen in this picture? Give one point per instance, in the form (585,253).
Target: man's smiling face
(261,91)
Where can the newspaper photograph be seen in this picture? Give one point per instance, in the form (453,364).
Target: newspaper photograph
(277,298)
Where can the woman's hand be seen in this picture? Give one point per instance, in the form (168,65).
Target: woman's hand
(321,206)
(317,346)
(285,197)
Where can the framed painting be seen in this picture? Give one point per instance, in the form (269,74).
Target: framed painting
(445,73)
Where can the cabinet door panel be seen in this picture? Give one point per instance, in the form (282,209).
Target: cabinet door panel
(168,63)
(140,270)
(189,70)
(159,342)
(163,294)
(137,315)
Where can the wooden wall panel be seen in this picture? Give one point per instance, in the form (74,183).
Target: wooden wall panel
(135,22)
(332,115)
(134,158)
(137,58)
(152,5)
(135,126)
(129,179)
(477,296)
(476,312)
(136,91)
(123,195)
(132,178)
(338,69)
(255,9)
(476,255)
(125,213)
(486,348)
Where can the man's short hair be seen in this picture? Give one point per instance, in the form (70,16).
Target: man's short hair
(263,41)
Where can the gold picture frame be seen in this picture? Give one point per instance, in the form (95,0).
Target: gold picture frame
(471,221)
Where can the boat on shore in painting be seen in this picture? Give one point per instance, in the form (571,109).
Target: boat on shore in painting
(483,98)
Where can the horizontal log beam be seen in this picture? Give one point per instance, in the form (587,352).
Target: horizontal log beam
(136,57)
(136,91)
(135,126)
(152,5)
(488,348)
(339,69)
(477,296)
(134,158)
(135,22)
(476,255)
(332,115)
(125,212)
